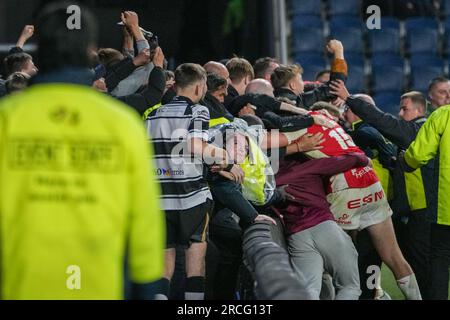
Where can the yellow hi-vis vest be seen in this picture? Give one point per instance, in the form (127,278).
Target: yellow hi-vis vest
(259,182)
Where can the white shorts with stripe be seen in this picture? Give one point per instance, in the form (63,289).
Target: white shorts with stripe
(359,208)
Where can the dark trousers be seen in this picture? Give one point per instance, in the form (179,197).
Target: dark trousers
(413,236)
(223,264)
(439,261)
(367,256)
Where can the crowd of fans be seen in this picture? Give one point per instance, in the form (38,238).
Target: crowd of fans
(232,144)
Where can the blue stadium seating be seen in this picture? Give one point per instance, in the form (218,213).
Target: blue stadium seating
(390,23)
(344,7)
(306,21)
(387,78)
(387,59)
(310,58)
(308,39)
(310,71)
(426,59)
(356,79)
(351,38)
(446,7)
(354,59)
(307,7)
(384,40)
(422,40)
(388,102)
(421,23)
(421,76)
(346,21)
(446,24)
(312,63)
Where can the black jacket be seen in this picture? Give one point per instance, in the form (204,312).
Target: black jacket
(150,95)
(216,109)
(372,142)
(401,133)
(118,72)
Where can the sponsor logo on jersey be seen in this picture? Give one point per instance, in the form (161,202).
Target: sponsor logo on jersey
(360,202)
(169,172)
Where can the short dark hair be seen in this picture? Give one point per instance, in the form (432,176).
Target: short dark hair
(169,75)
(435,81)
(17,81)
(109,57)
(321,73)
(262,65)
(214,82)
(16,62)
(239,68)
(60,47)
(283,74)
(417,98)
(188,74)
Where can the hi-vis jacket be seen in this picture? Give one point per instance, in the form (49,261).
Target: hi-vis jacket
(410,188)
(76,194)
(433,140)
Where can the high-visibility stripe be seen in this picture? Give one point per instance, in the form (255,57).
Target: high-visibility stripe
(149,110)
(216,121)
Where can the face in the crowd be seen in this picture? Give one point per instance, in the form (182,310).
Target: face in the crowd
(408,111)
(296,84)
(29,68)
(237,147)
(440,94)
(272,66)
(220,93)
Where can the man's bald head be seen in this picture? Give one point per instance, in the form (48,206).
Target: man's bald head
(260,86)
(365,97)
(217,68)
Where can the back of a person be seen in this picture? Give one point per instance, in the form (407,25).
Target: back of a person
(66,192)
(180,174)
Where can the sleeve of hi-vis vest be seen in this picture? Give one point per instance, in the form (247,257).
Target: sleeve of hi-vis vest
(426,144)
(146,240)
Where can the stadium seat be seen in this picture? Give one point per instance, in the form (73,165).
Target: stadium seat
(308,39)
(422,40)
(421,76)
(352,7)
(390,23)
(306,21)
(387,78)
(351,38)
(386,59)
(446,7)
(354,59)
(310,71)
(421,23)
(311,63)
(384,40)
(388,102)
(356,82)
(426,59)
(306,7)
(346,21)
